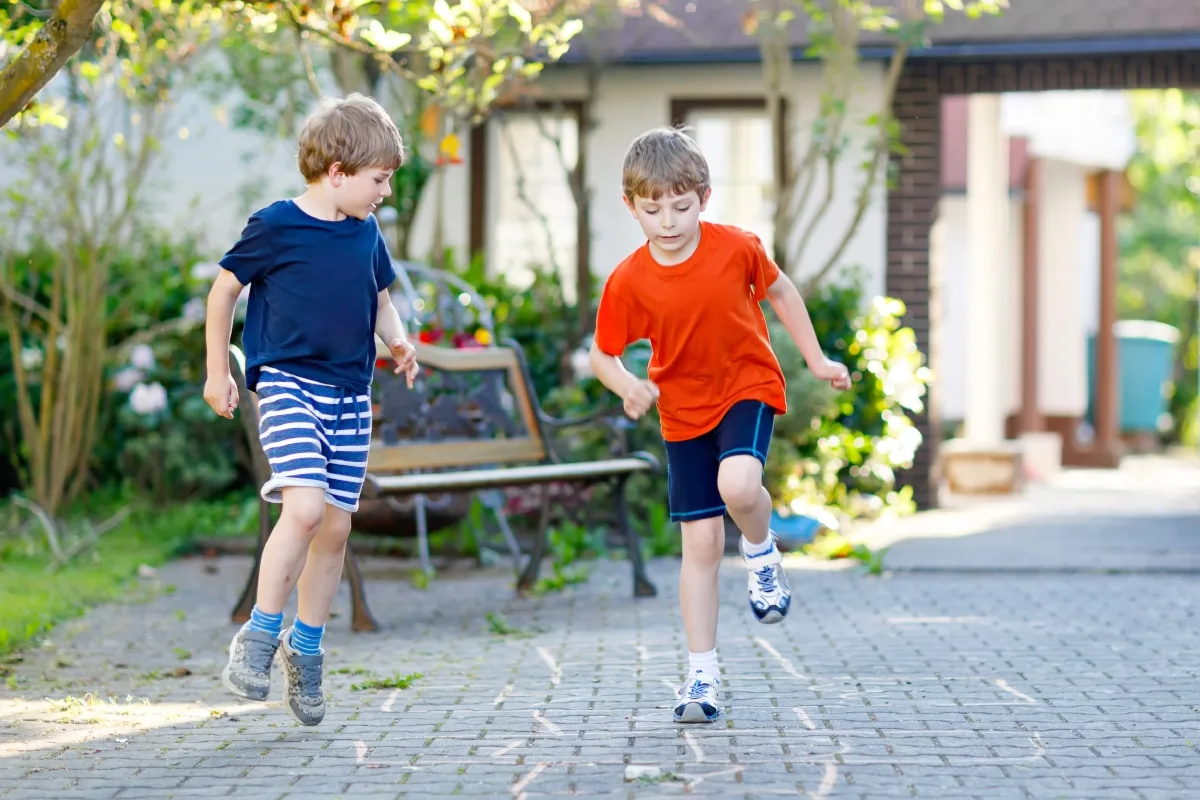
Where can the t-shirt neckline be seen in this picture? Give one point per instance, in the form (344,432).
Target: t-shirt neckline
(291,202)
(675,269)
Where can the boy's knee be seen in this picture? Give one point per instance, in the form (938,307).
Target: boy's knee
(704,541)
(304,508)
(336,528)
(740,482)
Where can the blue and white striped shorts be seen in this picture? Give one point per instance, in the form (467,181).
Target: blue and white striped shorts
(314,435)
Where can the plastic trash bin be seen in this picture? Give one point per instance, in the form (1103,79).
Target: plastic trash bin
(1145,351)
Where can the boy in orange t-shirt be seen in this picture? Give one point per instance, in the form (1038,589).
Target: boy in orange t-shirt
(694,291)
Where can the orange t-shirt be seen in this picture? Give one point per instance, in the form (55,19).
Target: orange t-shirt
(710,343)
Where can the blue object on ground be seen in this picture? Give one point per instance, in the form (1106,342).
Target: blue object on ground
(795,529)
(1144,359)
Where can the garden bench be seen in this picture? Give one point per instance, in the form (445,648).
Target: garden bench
(471,424)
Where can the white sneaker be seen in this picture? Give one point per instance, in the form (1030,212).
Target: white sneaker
(770,594)
(698,698)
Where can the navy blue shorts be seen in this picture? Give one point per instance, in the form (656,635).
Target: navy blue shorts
(692,464)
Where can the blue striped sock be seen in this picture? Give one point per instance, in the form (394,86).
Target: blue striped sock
(306,639)
(266,623)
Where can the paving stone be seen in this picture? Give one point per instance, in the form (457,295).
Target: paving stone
(930,683)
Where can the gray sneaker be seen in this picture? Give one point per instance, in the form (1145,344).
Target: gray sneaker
(248,673)
(302,695)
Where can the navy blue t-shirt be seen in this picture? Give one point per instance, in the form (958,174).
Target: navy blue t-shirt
(314,294)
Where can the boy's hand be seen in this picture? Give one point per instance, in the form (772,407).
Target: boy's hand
(639,397)
(837,374)
(406,359)
(221,394)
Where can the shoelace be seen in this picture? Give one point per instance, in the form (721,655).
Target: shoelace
(258,655)
(696,690)
(309,678)
(766,579)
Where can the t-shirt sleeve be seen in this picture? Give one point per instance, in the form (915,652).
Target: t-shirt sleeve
(763,271)
(615,325)
(253,255)
(385,273)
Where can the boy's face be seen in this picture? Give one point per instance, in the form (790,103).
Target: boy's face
(671,223)
(360,194)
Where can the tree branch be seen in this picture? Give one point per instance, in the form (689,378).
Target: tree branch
(28,303)
(67,29)
(880,156)
(310,72)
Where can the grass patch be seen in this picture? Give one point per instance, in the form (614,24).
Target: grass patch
(397,681)
(34,599)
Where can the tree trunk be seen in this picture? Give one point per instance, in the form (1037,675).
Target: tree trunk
(60,38)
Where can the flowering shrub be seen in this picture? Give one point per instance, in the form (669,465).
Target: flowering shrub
(847,458)
(159,436)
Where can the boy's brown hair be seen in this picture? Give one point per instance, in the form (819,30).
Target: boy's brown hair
(354,131)
(664,161)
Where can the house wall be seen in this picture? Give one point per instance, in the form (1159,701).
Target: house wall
(632,100)
(951,253)
(1072,133)
(1065,286)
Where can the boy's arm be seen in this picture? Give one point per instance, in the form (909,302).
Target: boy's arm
(609,370)
(789,306)
(390,329)
(220,391)
(388,325)
(636,395)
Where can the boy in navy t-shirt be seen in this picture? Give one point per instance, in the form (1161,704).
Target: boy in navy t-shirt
(318,271)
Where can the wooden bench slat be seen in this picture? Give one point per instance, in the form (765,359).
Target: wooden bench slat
(466,359)
(399,458)
(508,476)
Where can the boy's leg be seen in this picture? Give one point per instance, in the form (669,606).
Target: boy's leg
(248,673)
(294,439)
(744,437)
(699,600)
(304,659)
(323,569)
(696,505)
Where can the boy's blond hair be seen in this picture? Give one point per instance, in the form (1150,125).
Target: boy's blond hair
(664,161)
(354,131)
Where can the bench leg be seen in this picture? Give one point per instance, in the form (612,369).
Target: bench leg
(509,538)
(422,533)
(241,611)
(361,619)
(530,575)
(642,587)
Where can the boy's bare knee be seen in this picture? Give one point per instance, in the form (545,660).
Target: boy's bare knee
(335,527)
(304,508)
(704,541)
(740,482)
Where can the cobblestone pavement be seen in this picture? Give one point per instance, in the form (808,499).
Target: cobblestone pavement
(916,684)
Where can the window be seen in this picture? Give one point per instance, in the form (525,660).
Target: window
(740,149)
(532,211)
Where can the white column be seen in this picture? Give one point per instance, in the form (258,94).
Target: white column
(988,242)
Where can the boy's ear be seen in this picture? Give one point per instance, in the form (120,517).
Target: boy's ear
(629,205)
(705,193)
(335,173)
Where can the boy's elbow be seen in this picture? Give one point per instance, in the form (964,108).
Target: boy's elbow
(226,286)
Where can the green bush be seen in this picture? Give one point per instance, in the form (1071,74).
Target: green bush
(848,458)
(155,351)
(837,450)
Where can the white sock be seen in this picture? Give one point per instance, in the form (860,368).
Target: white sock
(751,549)
(706,663)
